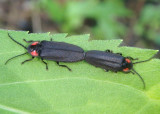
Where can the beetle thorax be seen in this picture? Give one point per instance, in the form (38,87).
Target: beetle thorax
(127,65)
(34,49)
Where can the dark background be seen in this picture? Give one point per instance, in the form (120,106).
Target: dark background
(137,22)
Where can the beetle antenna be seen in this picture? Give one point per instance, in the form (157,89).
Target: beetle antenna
(15,57)
(143,61)
(16,41)
(144,85)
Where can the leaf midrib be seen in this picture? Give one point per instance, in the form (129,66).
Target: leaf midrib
(58,79)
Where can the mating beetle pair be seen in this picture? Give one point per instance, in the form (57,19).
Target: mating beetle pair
(64,52)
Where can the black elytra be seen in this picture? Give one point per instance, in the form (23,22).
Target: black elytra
(108,60)
(51,50)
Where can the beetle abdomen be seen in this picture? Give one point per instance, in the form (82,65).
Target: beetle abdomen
(105,60)
(61,55)
(61,52)
(61,46)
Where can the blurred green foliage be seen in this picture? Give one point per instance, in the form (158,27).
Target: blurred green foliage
(54,9)
(106,19)
(148,25)
(103,16)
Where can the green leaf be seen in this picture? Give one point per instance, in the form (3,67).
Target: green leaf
(29,88)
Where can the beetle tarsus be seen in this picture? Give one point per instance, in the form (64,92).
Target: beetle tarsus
(30,41)
(106,70)
(119,54)
(63,66)
(109,51)
(45,64)
(27,60)
(51,39)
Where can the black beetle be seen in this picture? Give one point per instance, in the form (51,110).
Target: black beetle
(51,50)
(112,61)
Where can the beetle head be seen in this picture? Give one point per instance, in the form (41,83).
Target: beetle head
(127,65)
(34,49)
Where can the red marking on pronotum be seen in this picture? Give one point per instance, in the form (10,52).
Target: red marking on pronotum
(34,53)
(128,61)
(34,43)
(126,69)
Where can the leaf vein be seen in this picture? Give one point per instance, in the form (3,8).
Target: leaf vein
(47,80)
(11,109)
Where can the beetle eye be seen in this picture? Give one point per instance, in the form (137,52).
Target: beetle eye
(31,49)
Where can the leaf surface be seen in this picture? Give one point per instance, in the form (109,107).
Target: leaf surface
(29,88)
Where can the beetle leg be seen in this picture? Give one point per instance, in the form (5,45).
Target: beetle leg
(63,66)
(106,70)
(45,63)
(51,39)
(30,41)
(131,58)
(132,72)
(119,54)
(109,51)
(27,60)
